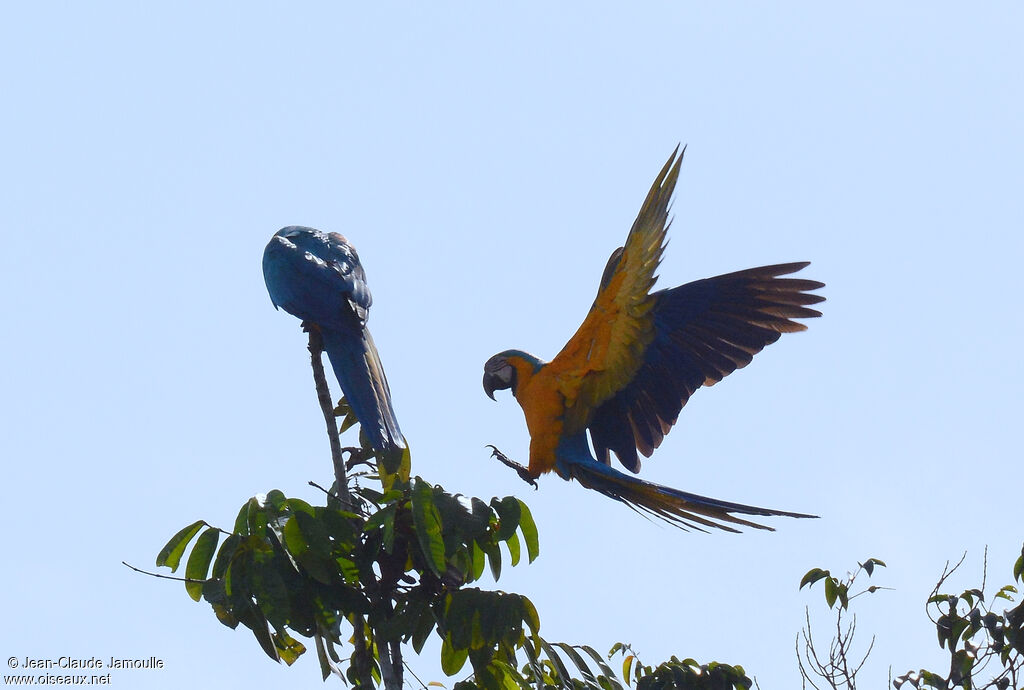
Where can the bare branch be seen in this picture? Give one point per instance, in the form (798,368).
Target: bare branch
(323,394)
(162,577)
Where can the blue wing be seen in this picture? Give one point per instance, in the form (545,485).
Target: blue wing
(317,277)
(704,331)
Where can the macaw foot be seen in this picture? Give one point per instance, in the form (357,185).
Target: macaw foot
(316,338)
(523,473)
(357,456)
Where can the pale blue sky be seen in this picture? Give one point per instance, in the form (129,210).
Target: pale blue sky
(485,161)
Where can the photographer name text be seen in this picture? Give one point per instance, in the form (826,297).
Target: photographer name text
(70,662)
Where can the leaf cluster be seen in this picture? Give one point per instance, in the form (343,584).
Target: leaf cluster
(395,570)
(684,675)
(835,668)
(839,590)
(975,635)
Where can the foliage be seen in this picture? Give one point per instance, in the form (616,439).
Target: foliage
(975,636)
(395,570)
(837,669)
(685,675)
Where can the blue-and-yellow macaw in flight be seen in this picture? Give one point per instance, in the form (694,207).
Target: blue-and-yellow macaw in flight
(317,277)
(638,357)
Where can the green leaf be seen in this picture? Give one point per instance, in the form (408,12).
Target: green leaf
(578,660)
(307,542)
(271,592)
(427,522)
(394,465)
(610,683)
(423,626)
(529,529)
(831,591)
(627,667)
(844,595)
(452,659)
(344,410)
(252,518)
(388,538)
(1018,567)
(276,499)
(481,516)
(199,562)
(530,615)
(493,559)
(557,661)
(326,666)
(478,562)
(508,516)
(173,550)
(227,551)
(971,594)
(252,618)
(377,520)
(340,526)
(812,576)
(869,565)
(297,505)
(288,648)
(213,592)
(242,520)
(513,549)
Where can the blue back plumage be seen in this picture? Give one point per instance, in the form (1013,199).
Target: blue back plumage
(317,277)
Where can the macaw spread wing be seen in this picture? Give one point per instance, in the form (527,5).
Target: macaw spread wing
(703,331)
(638,356)
(608,348)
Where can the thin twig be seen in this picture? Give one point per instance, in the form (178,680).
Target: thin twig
(946,573)
(162,577)
(413,674)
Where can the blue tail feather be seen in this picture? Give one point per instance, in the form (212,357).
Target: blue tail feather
(358,369)
(680,508)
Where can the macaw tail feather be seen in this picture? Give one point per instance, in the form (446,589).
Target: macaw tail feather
(678,508)
(358,369)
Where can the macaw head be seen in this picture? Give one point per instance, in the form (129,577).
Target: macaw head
(502,371)
(498,375)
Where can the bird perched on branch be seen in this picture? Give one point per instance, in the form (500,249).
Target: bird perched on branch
(317,277)
(636,360)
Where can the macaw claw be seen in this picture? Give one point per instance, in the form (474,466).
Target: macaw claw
(523,473)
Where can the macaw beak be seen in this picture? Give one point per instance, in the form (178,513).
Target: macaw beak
(490,385)
(499,375)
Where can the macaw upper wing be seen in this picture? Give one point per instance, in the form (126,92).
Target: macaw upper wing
(608,349)
(702,332)
(638,356)
(316,276)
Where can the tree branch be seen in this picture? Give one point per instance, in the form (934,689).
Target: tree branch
(323,394)
(162,577)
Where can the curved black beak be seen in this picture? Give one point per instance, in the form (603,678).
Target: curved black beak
(490,385)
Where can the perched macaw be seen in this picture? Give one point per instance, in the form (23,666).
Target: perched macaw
(638,357)
(317,277)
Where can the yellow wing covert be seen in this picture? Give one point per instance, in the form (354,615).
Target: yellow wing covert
(608,348)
